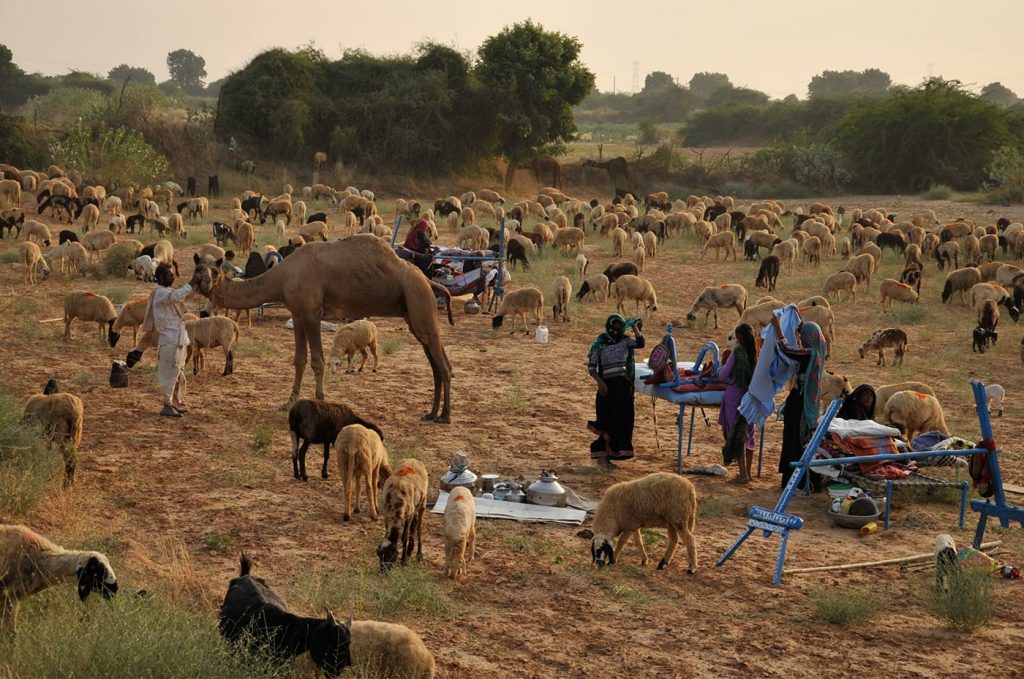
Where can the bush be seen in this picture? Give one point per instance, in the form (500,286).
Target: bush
(1006,176)
(117,263)
(969,603)
(938,192)
(126,636)
(28,467)
(846,607)
(109,154)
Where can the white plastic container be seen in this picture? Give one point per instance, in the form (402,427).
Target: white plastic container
(542,335)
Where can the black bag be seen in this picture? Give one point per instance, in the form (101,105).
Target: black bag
(118,374)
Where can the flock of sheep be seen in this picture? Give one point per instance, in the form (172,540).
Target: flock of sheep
(637,230)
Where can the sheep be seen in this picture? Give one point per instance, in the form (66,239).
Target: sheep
(520,302)
(880,340)
(361,456)
(29,563)
(145,268)
(786,252)
(473,237)
(90,217)
(713,298)
(960,281)
(244,235)
(658,500)
(96,242)
(640,258)
(721,241)
(383,649)
(563,291)
(490,196)
(995,394)
(635,288)
(948,253)
(861,266)
(569,238)
(255,615)
(459,531)
(132,315)
(405,498)
(357,336)
(874,251)
(32,259)
(759,315)
(651,244)
(88,306)
(313,230)
(833,386)
(316,421)
(592,286)
(60,418)
(839,281)
(914,413)
(987,245)
(767,273)
(811,251)
(72,256)
(892,289)
(581,264)
(36,231)
(207,333)
(619,237)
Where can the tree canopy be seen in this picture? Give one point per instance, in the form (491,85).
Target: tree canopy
(870,82)
(138,75)
(188,69)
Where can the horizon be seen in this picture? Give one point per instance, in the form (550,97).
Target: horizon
(909,58)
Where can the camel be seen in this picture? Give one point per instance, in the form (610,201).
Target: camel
(351,278)
(544,165)
(616,167)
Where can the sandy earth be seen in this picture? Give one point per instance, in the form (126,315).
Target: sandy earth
(173,502)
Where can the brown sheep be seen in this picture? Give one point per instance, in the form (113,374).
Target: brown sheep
(405,499)
(361,457)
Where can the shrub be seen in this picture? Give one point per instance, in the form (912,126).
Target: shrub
(938,192)
(1006,175)
(845,607)
(28,467)
(969,603)
(117,263)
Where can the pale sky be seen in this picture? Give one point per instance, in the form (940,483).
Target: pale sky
(772,46)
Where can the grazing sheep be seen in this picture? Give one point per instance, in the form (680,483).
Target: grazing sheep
(473,237)
(619,238)
(384,649)
(948,253)
(490,196)
(839,281)
(987,245)
(90,217)
(405,498)
(631,287)
(208,333)
(811,251)
(357,336)
(570,238)
(88,306)
(517,254)
(614,271)
(994,395)
(60,417)
(960,281)
(721,241)
(581,264)
(520,302)
(713,298)
(361,457)
(71,254)
(914,413)
(563,291)
(96,242)
(32,259)
(314,421)
(29,563)
(132,315)
(768,273)
(144,267)
(996,293)
(862,266)
(890,338)
(459,531)
(592,286)
(786,252)
(255,615)
(658,500)
(640,258)
(313,231)
(244,235)
(759,315)
(892,289)
(36,231)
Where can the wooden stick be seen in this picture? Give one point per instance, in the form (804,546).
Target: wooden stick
(884,562)
(51,320)
(654,413)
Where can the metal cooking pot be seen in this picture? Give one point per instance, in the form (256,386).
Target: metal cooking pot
(546,491)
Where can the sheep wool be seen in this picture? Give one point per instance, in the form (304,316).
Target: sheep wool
(459,531)
(361,457)
(358,336)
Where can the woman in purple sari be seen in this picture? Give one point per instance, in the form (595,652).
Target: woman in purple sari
(737,432)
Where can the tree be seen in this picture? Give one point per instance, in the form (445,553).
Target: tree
(997,93)
(704,84)
(658,80)
(15,86)
(534,78)
(646,132)
(138,75)
(736,95)
(187,69)
(871,82)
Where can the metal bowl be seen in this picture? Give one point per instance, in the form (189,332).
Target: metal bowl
(850,521)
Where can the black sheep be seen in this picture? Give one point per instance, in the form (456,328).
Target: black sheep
(67,236)
(315,421)
(317,217)
(517,253)
(912,277)
(445,208)
(768,273)
(253,205)
(750,252)
(253,614)
(134,222)
(893,240)
(625,268)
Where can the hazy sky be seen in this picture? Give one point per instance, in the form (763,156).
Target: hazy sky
(771,46)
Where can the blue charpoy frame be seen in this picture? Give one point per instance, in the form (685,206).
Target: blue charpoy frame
(777,521)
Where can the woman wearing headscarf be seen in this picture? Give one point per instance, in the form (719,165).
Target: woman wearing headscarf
(610,363)
(860,405)
(737,432)
(800,412)
(418,238)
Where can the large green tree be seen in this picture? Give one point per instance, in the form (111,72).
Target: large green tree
(998,93)
(16,87)
(534,78)
(703,84)
(870,82)
(188,69)
(138,75)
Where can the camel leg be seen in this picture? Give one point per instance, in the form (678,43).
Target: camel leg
(316,349)
(300,357)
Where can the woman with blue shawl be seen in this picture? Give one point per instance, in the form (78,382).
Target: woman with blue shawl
(610,363)
(800,413)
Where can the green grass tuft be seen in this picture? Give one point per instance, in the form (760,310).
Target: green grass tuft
(847,607)
(28,467)
(938,192)
(10,256)
(969,603)
(403,592)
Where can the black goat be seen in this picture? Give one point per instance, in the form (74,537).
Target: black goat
(66,236)
(317,217)
(12,224)
(134,223)
(768,274)
(893,240)
(72,207)
(982,338)
(517,253)
(712,212)
(253,614)
(750,252)
(222,233)
(625,268)
(912,277)
(944,258)
(253,205)
(213,186)
(445,208)
(315,421)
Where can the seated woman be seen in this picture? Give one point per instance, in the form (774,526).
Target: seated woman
(859,405)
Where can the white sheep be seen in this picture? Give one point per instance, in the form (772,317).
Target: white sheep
(658,500)
(640,258)
(839,281)
(619,238)
(459,531)
(760,314)
(995,393)
(88,306)
(358,336)
(361,456)
(71,254)
(635,288)
(581,264)
(32,259)
(384,649)
(563,291)
(914,413)
(786,252)
(35,231)
(592,286)
(144,267)
(721,241)
(713,298)
(60,417)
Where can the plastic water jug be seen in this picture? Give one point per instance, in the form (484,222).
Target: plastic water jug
(542,335)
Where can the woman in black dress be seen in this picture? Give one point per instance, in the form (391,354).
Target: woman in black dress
(610,363)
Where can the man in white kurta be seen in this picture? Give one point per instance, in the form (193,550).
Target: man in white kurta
(164,316)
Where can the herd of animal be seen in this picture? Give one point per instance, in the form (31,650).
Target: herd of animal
(302,272)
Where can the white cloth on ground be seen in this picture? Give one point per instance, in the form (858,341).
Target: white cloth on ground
(773,369)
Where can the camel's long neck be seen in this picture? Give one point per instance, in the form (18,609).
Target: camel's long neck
(250,292)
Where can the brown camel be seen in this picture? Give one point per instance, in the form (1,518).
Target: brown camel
(352,278)
(616,167)
(548,165)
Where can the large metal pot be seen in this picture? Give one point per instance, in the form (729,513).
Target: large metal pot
(546,491)
(458,474)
